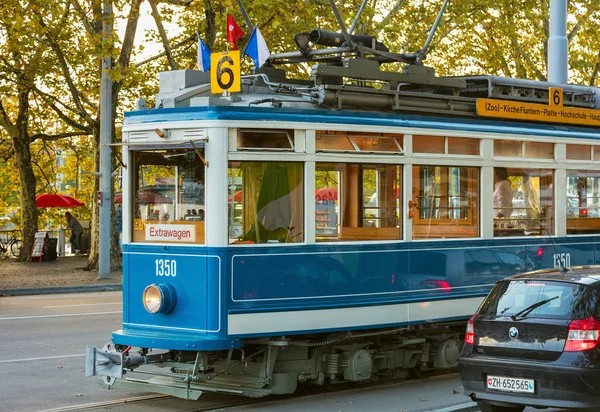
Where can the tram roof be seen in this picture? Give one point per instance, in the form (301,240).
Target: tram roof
(361,94)
(321,117)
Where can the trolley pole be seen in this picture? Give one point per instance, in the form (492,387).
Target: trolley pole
(558,44)
(105,154)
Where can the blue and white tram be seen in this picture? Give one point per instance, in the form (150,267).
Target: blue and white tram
(338,234)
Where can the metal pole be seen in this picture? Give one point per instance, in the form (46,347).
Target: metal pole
(558,45)
(246,17)
(423,53)
(340,21)
(353,25)
(105,154)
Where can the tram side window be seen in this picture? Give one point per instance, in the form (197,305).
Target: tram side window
(583,202)
(168,196)
(446,199)
(523,202)
(357,202)
(266,202)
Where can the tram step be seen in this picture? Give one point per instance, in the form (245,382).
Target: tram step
(180,389)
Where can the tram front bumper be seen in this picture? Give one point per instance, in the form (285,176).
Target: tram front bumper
(110,362)
(171,340)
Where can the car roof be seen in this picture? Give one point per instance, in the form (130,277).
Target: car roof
(584,275)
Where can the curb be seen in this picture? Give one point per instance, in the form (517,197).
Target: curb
(463,407)
(61,289)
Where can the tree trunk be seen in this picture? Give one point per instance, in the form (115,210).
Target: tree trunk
(92,263)
(29,224)
(115,250)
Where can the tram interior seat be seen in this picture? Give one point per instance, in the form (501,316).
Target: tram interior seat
(369,233)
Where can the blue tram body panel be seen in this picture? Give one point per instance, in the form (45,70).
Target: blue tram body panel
(197,321)
(224,294)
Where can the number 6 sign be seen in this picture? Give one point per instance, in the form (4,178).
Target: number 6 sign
(225,72)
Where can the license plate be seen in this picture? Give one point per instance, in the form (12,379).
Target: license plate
(506,384)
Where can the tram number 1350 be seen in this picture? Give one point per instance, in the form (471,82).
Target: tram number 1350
(166,267)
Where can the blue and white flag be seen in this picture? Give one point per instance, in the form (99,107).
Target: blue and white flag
(203,56)
(257,48)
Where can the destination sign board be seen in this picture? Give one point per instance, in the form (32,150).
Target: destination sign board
(555,112)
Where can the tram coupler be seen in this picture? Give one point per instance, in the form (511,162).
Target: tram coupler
(109,362)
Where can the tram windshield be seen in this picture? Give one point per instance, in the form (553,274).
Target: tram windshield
(168,196)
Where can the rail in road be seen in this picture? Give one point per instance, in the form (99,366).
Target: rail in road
(42,345)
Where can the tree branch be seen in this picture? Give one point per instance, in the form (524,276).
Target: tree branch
(91,28)
(128,39)
(66,72)
(163,35)
(387,18)
(179,2)
(5,122)
(159,55)
(49,138)
(595,72)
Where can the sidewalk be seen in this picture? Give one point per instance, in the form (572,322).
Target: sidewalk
(63,275)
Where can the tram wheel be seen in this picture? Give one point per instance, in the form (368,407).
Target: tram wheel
(419,372)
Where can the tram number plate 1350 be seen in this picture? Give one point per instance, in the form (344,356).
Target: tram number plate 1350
(506,384)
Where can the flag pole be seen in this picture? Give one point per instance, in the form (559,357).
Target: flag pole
(226,30)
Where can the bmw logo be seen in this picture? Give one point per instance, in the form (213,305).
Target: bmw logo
(513,333)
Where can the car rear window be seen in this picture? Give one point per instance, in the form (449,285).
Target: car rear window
(568,300)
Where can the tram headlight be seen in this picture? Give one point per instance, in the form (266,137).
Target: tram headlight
(159,298)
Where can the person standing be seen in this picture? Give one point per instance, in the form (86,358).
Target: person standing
(503,193)
(76,232)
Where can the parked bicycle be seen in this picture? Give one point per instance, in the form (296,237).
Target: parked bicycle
(10,243)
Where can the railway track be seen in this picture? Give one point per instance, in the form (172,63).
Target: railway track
(218,402)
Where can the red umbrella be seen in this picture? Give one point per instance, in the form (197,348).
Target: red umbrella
(326,193)
(54,200)
(146,198)
(237,196)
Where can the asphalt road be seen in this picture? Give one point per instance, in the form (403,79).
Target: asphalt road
(42,346)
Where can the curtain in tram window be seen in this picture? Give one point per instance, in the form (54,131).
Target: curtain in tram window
(273,209)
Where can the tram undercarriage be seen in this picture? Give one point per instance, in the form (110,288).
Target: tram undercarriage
(275,366)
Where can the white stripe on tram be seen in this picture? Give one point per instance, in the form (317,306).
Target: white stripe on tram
(318,319)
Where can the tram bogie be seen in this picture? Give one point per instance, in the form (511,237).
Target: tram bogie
(276,366)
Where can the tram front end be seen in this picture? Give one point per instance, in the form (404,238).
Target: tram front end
(172,315)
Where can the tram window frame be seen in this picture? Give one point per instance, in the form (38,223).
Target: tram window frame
(254,135)
(257,226)
(446,145)
(343,212)
(351,142)
(532,210)
(583,218)
(584,152)
(180,227)
(524,149)
(438,224)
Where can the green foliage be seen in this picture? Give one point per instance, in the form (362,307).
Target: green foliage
(504,38)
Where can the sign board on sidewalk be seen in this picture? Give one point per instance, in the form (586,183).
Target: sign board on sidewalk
(37,250)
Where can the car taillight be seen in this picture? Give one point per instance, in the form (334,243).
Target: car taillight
(470,335)
(583,335)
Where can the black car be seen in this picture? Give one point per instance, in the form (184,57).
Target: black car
(535,341)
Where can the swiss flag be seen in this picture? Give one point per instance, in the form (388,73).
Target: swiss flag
(233,31)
